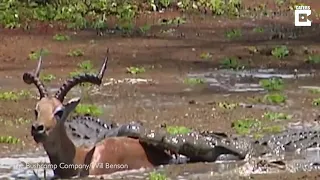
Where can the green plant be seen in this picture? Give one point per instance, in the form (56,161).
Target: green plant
(14,96)
(47,77)
(135,70)
(177,130)
(157,176)
(272,84)
(276,116)
(245,126)
(226,105)
(258,30)
(35,55)
(83,67)
(174,21)
(145,28)
(316,102)
(230,63)
(75,53)
(165,3)
(233,33)
(61,37)
(252,49)
(205,55)
(313,59)
(88,109)
(280,52)
(9,140)
(275,98)
(194,81)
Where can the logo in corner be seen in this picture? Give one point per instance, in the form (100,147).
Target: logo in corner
(301,14)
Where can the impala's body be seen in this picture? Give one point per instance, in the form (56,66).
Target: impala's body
(49,130)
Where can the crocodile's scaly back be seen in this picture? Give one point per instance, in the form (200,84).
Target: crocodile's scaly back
(88,130)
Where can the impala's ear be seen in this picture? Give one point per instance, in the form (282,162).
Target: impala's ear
(69,107)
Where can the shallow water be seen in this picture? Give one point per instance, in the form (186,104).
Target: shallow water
(244,80)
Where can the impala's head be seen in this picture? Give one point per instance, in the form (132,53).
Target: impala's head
(50,112)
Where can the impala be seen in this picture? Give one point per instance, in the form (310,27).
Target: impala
(69,160)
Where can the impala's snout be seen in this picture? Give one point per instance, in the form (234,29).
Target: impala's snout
(38,131)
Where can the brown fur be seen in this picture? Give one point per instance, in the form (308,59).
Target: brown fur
(127,152)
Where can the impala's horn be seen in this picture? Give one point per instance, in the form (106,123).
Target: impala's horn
(82,78)
(30,78)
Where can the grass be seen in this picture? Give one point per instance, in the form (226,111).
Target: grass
(177,130)
(9,140)
(280,52)
(276,116)
(313,59)
(88,109)
(47,77)
(274,98)
(15,122)
(14,96)
(314,91)
(258,30)
(135,70)
(226,105)
(157,176)
(272,84)
(205,56)
(316,102)
(231,63)
(35,55)
(83,67)
(194,81)
(75,53)
(255,127)
(61,37)
(233,33)
(252,49)
(245,126)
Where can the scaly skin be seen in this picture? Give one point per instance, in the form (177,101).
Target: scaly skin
(197,147)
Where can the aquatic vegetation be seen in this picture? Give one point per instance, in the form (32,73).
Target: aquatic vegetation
(61,37)
(280,52)
(194,81)
(316,102)
(231,63)
(47,77)
(88,109)
(9,140)
(275,98)
(75,53)
(14,96)
(157,176)
(35,55)
(258,30)
(226,105)
(83,67)
(205,55)
(245,126)
(276,116)
(313,59)
(135,70)
(272,84)
(233,33)
(177,130)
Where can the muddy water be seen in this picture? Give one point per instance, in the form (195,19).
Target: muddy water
(15,166)
(245,80)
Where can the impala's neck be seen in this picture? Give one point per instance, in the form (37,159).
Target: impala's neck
(63,154)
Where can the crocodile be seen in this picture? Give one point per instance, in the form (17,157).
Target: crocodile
(206,146)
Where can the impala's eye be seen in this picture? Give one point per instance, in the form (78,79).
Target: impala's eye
(36,113)
(58,114)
